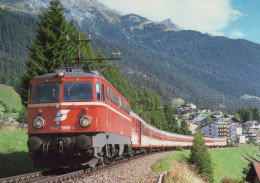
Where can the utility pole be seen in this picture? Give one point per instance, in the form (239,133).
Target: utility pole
(78,41)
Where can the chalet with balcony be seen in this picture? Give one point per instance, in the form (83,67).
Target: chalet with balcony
(217,129)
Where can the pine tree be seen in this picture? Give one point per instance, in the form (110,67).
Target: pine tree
(237,117)
(172,125)
(50,49)
(184,128)
(200,157)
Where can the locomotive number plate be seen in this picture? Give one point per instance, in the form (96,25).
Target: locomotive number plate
(61,127)
(65,127)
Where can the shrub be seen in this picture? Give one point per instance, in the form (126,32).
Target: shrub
(23,116)
(179,149)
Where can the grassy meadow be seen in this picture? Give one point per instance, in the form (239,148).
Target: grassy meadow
(226,162)
(11,98)
(14,156)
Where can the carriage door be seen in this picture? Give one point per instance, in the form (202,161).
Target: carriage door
(138,131)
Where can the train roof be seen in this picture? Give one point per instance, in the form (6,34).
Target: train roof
(156,129)
(70,72)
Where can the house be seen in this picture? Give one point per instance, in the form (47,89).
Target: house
(241,139)
(217,117)
(218,112)
(199,120)
(184,108)
(192,127)
(236,131)
(254,173)
(217,129)
(250,135)
(203,110)
(185,113)
(252,125)
(191,106)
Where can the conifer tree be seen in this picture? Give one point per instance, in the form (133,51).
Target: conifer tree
(200,157)
(184,128)
(50,48)
(172,125)
(237,117)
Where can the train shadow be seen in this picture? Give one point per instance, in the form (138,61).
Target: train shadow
(15,163)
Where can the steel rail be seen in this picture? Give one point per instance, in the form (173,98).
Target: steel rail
(61,178)
(20,178)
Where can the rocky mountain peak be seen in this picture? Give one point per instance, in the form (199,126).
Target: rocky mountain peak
(169,24)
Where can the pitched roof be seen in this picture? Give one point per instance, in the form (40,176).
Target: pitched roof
(257,168)
(254,172)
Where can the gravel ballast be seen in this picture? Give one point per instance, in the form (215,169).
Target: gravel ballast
(136,170)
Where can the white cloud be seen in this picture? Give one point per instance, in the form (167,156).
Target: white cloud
(202,15)
(236,34)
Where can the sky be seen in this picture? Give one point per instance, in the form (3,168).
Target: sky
(236,19)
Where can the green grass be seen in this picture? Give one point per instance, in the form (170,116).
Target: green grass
(226,162)
(164,164)
(10,97)
(14,156)
(231,163)
(2,109)
(245,145)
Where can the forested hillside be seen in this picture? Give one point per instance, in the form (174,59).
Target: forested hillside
(197,67)
(49,48)
(16,33)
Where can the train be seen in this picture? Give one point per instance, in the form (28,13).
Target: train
(77,118)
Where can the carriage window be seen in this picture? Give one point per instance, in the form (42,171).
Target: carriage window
(46,92)
(103,92)
(77,91)
(98,91)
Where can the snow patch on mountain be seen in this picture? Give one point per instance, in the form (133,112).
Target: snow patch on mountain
(169,24)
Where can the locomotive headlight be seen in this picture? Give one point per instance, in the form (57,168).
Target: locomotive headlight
(61,73)
(38,122)
(85,121)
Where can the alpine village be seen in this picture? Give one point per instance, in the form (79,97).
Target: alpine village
(91,94)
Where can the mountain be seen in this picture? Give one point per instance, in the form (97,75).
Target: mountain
(162,56)
(168,23)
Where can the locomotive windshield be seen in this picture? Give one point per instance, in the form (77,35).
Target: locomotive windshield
(46,92)
(77,91)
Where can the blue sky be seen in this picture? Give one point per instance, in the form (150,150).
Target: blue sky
(236,19)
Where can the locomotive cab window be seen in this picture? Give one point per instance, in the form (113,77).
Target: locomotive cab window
(46,92)
(77,91)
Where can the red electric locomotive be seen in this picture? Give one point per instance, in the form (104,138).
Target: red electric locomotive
(78,118)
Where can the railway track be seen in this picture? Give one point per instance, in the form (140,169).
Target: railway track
(64,175)
(21,178)
(50,176)
(43,177)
